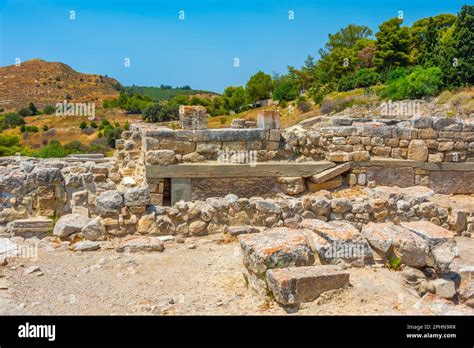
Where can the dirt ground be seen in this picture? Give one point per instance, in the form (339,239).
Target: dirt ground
(203,276)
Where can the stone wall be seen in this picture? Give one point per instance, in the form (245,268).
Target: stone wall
(239,215)
(34,187)
(425,139)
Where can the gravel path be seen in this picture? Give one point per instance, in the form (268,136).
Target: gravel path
(201,276)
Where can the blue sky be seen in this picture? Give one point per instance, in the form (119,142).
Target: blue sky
(198,51)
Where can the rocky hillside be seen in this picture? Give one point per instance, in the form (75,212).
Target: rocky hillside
(47,83)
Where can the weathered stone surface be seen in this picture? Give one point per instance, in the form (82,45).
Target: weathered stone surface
(422,122)
(276,248)
(70,224)
(197,227)
(109,202)
(338,242)
(320,206)
(135,197)
(444,288)
(388,239)
(392,176)
(432,233)
(37,226)
(268,206)
(94,230)
(339,156)
(341,205)
(161,157)
(441,242)
(431,304)
(327,185)
(208,148)
(268,119)
(330,173)
(140,243)
(451,182)
(417,150)
(243,229)
(293,185)
(295,285)
(86,245)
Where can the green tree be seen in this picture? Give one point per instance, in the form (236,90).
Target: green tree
(393,44)
(238,98)
(158,112)
(259,86)
(33,109)
(286,88)
(12,120)
(49,110)
(419,83)
(456,53)
(346,37)
(24,112)
(425,36)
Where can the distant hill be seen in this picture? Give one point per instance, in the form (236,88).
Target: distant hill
(47,83)
(167,93)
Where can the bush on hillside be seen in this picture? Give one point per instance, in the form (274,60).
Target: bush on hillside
(361,78)
(419,83)
(12,120)
(53,150)
(49,110)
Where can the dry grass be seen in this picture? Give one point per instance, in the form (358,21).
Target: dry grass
(67,127)
(286,119)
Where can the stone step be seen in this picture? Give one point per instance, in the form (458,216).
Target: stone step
(338,242)
(276,248)
(36,226)
(294,285)
(388,240)
(330,173)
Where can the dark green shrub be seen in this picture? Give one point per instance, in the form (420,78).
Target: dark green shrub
(12,120)
(53,150)
(24,112)
(361,78)
(419,83)
(49,110)
(75,147)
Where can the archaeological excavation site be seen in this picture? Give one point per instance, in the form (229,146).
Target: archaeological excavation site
(332,216)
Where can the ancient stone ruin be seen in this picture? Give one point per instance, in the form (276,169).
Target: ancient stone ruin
(307,204)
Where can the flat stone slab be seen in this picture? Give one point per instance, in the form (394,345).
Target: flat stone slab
(441,242)
(140,244)
(415,194)
(276,248)
(429,231)
(338,242)
(295,285)
(330,173)
(228,170)
(36,226)
(388,239)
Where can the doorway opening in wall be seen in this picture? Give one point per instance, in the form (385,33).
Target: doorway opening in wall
(167,192)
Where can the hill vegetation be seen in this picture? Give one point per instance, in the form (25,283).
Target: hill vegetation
(397,62)
(165,92)
(47,83)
